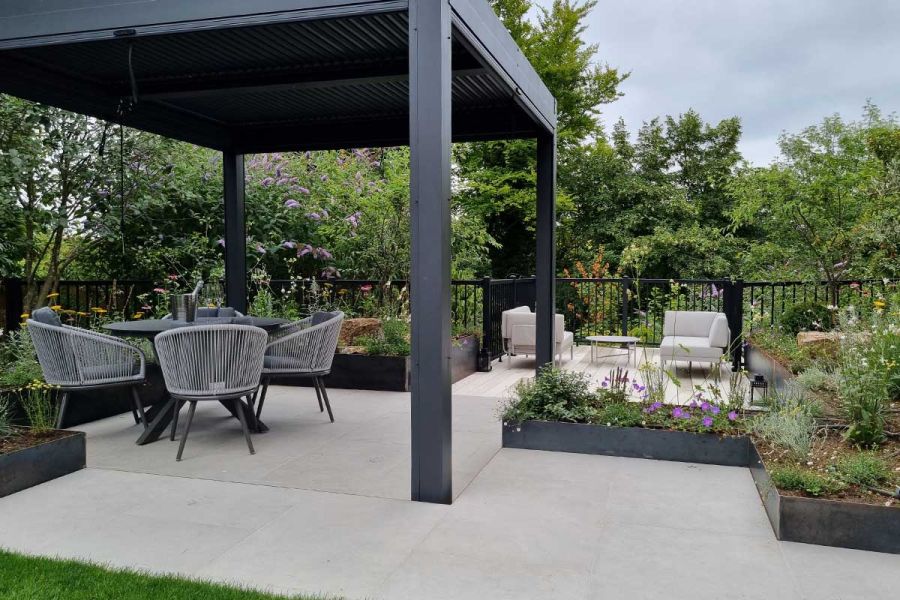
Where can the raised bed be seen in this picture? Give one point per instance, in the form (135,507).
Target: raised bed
(629,442)
(22,469)
(793,518)
(388,373)
(826,522)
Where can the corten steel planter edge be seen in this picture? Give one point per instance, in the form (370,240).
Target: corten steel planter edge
(628,442)
(826,522)
(38,464)
(384,373)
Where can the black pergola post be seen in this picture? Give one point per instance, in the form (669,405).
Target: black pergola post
(235,231)
(429,137)
(545,284)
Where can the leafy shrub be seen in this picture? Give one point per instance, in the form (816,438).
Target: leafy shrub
(807,316)
(18,361)
(393,341)
(863,392)
(796,479)
(816,379)
(621,414)
(863,468)
(790,423)
(554,395)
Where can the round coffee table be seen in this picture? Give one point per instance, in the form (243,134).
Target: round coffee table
(630,342)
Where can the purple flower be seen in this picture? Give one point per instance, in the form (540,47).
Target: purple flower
(707,421)
(267,182)
(221,242)
(657,405)
(324,214)
(693,404)
(322,254)
(324,177)
(291,203)
(715,291)
(290,245)
(306,249)
(260,249)
(303,190)
(715,409)
(732,416)
(314,216)
(704,406)
(677,412)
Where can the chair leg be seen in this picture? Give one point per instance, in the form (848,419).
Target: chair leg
(139,406)
(325,398)
(176,408)
(63,402)
(318,394)
(238,407)
(262,397)
(187,429)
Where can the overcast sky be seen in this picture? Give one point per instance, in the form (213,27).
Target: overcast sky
(777,64)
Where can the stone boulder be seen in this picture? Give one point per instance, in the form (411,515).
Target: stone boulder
(353,329)
(819,343)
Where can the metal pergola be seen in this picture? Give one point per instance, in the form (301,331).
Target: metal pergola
(291,75)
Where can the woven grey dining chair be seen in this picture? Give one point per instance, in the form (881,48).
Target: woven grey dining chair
(80,360)
(303,349)
(211,362)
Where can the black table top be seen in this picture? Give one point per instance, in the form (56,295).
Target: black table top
(149,328)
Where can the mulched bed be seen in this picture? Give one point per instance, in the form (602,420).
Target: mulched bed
(828,447)
(24,438)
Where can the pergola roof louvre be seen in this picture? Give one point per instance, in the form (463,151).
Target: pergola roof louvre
(217,76)
(281,75)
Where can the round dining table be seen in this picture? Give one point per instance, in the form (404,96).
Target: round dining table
(161,413)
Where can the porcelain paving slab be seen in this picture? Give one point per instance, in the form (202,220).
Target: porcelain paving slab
(525,524)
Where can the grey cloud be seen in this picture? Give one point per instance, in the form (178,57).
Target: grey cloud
(778,65)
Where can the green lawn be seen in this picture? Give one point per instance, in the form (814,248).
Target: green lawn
(27,578)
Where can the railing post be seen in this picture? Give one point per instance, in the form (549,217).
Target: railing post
(15,305)
(487,327)
(626,285)
(734,312)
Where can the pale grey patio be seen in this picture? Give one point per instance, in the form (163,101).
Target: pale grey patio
(324,507)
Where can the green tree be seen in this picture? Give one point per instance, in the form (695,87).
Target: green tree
(664,194)
(821,208)
(498,178)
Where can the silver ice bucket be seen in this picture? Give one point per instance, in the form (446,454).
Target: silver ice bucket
(183,307)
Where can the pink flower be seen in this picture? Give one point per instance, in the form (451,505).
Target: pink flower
(160,291)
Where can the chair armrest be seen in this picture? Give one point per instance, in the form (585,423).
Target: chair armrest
(115,346)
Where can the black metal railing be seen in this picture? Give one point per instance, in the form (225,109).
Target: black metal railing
(590,306)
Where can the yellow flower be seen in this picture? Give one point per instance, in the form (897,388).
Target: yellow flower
(879,304)
(81,314)
(24,315)
(137,315)
(98,310)
(53,295)
(56,307)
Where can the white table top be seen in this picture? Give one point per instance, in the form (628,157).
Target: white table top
(613,339)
